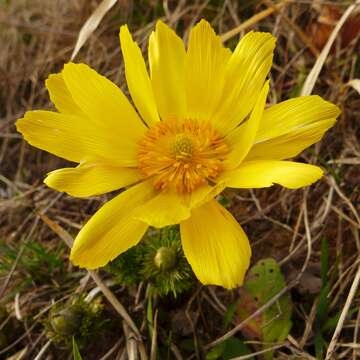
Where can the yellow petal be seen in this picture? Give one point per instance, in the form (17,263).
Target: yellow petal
(137,78)
(265,173)
(76,138)
(291,126)
(291,144)
(102,101)
(164,209)
(242,138)
(167,71)
(215,246)
(204,71)
(90,179)
(112,230)
(245,74)
(204,193)
(293,114)
(60,95)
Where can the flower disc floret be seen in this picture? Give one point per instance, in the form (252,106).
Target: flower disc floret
(182,154)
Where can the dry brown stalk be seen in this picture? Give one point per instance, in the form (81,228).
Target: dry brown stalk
(253,20)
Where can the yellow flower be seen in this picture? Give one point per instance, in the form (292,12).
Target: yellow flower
(200,126)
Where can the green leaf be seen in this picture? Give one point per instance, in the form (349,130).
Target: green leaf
(323,305)
(230,312)
(76,352)
(320,345)
(228,349)
(263,282)
(331,322)
(216,352)
(235,347)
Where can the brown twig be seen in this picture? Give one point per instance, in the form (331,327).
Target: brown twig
(253,20)
(343,315)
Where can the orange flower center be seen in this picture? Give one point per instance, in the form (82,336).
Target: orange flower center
(182,154)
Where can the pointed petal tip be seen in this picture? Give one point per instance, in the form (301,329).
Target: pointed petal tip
(317,174)
(262,36)
(124,33)
(204,27)
(203,22)
(124,28)
(19,124)
(336,110)
(22,124)
(265,34)
(160,25)
(266,173)
(70,65)
(49,79)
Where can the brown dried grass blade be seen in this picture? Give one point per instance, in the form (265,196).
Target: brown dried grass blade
(344,312)
(19,355)
(153,352)
(252,21)
(91,24)
(355,83)
(315,71)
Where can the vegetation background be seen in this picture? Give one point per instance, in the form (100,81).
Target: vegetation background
(313,234)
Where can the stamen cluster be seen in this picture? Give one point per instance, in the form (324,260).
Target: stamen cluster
(182,154)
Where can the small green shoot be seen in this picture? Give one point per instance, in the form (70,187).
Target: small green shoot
(76,352)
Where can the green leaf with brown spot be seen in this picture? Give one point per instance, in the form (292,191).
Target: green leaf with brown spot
(263,282)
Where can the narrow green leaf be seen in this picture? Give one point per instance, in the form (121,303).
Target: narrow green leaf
(229,315)
(331,322)
(76,352)
(320,344)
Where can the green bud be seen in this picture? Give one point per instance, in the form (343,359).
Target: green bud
(66,322)
(165,258)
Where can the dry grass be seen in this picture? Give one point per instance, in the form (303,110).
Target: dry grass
(37,37)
